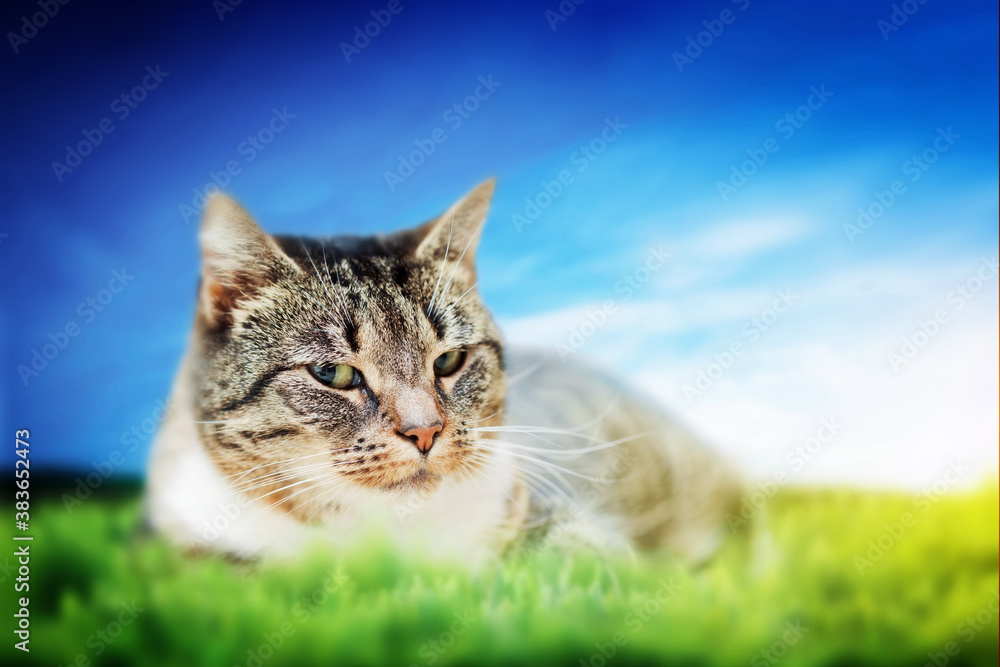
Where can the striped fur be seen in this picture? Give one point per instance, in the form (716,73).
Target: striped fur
(250,423)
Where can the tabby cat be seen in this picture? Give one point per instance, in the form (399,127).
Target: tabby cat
(333,386)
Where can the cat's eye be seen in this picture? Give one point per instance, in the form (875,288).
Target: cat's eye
(449,362)
(338,376)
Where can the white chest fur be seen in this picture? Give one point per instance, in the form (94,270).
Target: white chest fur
(193,504)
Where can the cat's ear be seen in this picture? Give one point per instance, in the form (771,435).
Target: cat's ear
(456,233)
(238,259)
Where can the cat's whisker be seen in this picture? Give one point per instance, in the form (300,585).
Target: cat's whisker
(323,306)
(476,421)
(321,499)
(455,302)
(600,415)
(317,484)
(354,496)
(554,467)
(288,474)
(580,450)
(538,478)
(526,372)
(276,477)
(458,262)
(336,267)
(444,260)
(533,431)
(563,492)
(320,481)
(240,475)
(302,481)
(470,473)
(322,282)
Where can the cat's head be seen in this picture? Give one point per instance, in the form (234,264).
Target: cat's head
(324,365)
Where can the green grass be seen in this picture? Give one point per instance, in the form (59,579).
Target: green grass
(374,607)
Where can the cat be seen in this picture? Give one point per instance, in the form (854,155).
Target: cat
(337,385)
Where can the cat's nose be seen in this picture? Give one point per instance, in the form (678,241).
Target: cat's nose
(422,435)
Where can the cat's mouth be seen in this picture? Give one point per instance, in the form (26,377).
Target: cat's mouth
(421,480)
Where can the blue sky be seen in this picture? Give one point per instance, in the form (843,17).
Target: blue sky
(554,91)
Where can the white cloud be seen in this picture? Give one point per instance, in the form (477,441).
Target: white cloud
(826,357)
(742,238)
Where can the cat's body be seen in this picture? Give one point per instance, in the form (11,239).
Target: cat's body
(340,386)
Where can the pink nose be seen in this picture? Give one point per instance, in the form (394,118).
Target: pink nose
(423,436)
